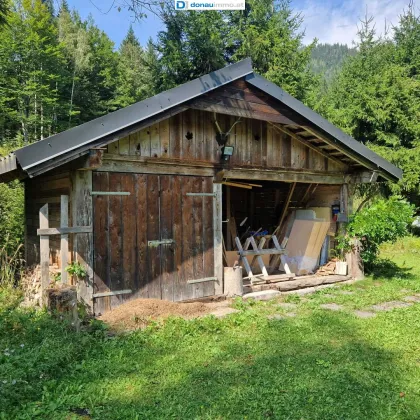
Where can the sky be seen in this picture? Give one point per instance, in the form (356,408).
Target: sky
(328,20)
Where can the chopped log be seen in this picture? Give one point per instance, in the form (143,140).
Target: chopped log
(63,302)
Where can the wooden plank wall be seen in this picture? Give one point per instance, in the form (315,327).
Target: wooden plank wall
(191,136)
(157,208)
(38,191)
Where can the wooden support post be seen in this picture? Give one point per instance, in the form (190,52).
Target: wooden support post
(44,246)
(82,209)
(228,218)
(64,245)
(286,207)
(218,238)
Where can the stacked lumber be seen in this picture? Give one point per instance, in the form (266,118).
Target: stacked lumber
(327,269)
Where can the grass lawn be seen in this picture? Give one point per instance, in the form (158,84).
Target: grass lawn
(319,364)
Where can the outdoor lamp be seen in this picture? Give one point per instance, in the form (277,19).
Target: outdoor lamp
(227,152)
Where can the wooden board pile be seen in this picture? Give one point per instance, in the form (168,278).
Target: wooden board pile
(327,269)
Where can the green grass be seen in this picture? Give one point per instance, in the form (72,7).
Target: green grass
(317,365)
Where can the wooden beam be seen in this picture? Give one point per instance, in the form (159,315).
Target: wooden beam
(64,243)
(63,230)
(147,167)
(307,143)
(229,108)
(285,208)
(44,247)
(263,251)
(285,175)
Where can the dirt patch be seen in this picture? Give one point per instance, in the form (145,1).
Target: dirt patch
(139,312)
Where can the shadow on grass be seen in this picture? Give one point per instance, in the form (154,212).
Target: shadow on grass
(387,269)
(243,367)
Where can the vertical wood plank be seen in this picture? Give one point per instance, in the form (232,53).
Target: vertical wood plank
(166,232)
(82,215)
(264,143)
(129,232)
(197,239)
(44,245)
(177,206)
(218,238)
(155,149)
(116,238)
(153,234)
(144,139)
(142,272)
(200,146)
(286,151)
(187,237)
(256,142)
(210,137)
(124,146)
(277,148)
(188,129)
(135,147)
(101,241)
(208,244)
(175,136)
(64,243)
(164,137)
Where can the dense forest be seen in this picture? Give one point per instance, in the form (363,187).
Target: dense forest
(58,70)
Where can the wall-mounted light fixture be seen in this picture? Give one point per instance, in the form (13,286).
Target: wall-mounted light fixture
(227,152)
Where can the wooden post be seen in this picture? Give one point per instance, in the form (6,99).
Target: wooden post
(82,209)
(64,246)
(218,238)
(44,246)
(228,218)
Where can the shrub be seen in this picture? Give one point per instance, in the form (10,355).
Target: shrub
(383,221)
(11,216)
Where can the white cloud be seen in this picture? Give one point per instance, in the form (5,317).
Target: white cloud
(331,22)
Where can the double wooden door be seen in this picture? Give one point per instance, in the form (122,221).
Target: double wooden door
(154,241)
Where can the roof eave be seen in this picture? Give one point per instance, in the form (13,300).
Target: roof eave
(373,160)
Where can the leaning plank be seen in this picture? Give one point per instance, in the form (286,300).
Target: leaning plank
(286,207)
(44,245)
(64,230)
(64,245)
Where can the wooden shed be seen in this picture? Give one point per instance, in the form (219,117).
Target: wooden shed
(152,199)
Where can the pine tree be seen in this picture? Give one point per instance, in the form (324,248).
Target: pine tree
(31,61)
(131,71)
(4,11)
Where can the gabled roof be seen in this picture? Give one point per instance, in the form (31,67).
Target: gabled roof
(77,141)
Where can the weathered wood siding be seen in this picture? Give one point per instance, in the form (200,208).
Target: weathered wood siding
(157,208)
(191,137)
(39,191)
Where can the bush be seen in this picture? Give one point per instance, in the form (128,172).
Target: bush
(383,221)
(11,216)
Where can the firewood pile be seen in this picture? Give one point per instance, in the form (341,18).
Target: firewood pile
(31,285)
(327,269)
